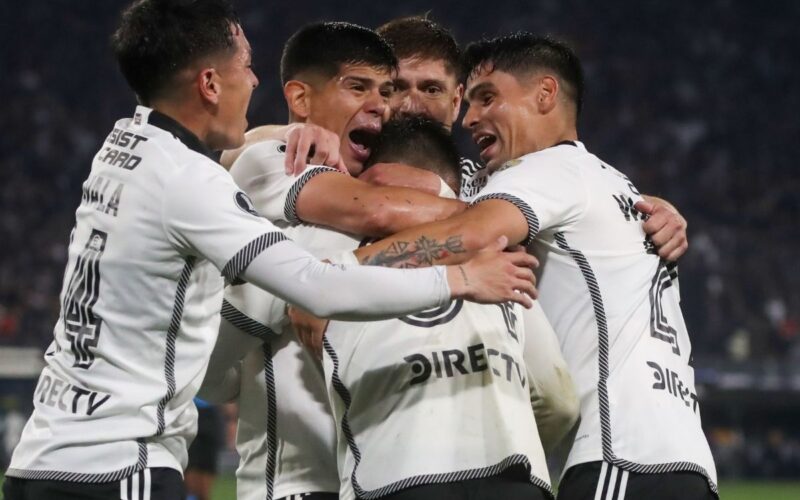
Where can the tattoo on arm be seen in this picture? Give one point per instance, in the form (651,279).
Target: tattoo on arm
(420,253)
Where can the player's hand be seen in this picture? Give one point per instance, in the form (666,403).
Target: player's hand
(308,328)
(665,226)
(494,276)
(307,143)
(400,175)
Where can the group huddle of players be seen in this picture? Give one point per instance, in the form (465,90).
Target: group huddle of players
(191,274)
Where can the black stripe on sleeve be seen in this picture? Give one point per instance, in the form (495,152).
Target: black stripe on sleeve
(527,212)
(245,256)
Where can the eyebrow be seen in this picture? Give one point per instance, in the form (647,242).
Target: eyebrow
(432,81)
(366,81)
(481,87)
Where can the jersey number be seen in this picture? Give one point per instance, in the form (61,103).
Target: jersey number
(659,326)
(81,324)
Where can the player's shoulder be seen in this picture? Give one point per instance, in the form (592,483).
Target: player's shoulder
(267,154)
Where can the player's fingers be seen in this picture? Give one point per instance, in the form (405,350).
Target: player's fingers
(645,207)
(525,273)
(318,154)
(673,249)
(499,245)
(524,293)
(291,151)
(304,145)
(342,167)
(654,224)
(663,236)
(522,259)
(678,252)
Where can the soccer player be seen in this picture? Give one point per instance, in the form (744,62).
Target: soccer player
(335,75)
(429,81)
(439,404)
(159,227)
(611,299)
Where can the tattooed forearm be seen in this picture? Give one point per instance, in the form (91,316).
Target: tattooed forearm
(420,253)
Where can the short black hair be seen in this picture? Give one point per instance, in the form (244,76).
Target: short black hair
(523,53)
(422,38)
(322,49)
(420,142)
(158,38)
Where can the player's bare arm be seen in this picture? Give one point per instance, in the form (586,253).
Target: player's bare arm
(354,206)
(394,174)
(449,241)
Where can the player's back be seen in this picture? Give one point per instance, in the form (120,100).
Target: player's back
(437,397)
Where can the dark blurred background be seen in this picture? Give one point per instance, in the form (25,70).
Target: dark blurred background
(696,101)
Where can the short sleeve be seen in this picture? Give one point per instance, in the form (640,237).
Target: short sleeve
(206,214)
(259,171)
(551,195)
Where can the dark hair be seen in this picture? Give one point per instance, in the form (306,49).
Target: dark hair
(158,38)
(523,53)
(421,142)
(322,48)
(420,37)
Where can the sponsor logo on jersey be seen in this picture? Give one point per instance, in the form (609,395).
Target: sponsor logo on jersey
(476,358)
(245,204)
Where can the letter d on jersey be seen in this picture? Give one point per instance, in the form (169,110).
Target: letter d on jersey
(420,367)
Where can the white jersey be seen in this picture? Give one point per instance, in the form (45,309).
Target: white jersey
(286,436)
(440,396)
(159,225)
(613,305)
(140,307)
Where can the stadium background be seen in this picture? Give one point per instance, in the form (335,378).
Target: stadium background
(696,102)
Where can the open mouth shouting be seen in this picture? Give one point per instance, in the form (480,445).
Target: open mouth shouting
(486,144)
(361,141)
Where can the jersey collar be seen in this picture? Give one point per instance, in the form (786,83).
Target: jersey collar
(180,132)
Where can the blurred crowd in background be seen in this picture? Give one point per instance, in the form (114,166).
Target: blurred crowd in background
(696,103)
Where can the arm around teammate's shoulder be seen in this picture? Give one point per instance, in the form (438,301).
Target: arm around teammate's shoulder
(354,206)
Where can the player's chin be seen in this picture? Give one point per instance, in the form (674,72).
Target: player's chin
(354,163)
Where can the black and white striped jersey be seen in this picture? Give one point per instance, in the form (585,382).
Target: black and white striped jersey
(612,303)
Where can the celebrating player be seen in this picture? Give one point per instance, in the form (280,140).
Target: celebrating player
(612,301)
(159,226)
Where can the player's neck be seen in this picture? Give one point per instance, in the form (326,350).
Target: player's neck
(195,122)
(553,132)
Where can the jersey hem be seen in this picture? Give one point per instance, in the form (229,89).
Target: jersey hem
(81,477)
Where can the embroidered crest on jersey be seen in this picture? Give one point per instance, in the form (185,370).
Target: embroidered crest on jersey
(509,164)
(245,204)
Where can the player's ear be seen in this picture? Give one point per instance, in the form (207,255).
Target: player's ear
(209,85)
(298,98)
(547,92)
(457,99)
